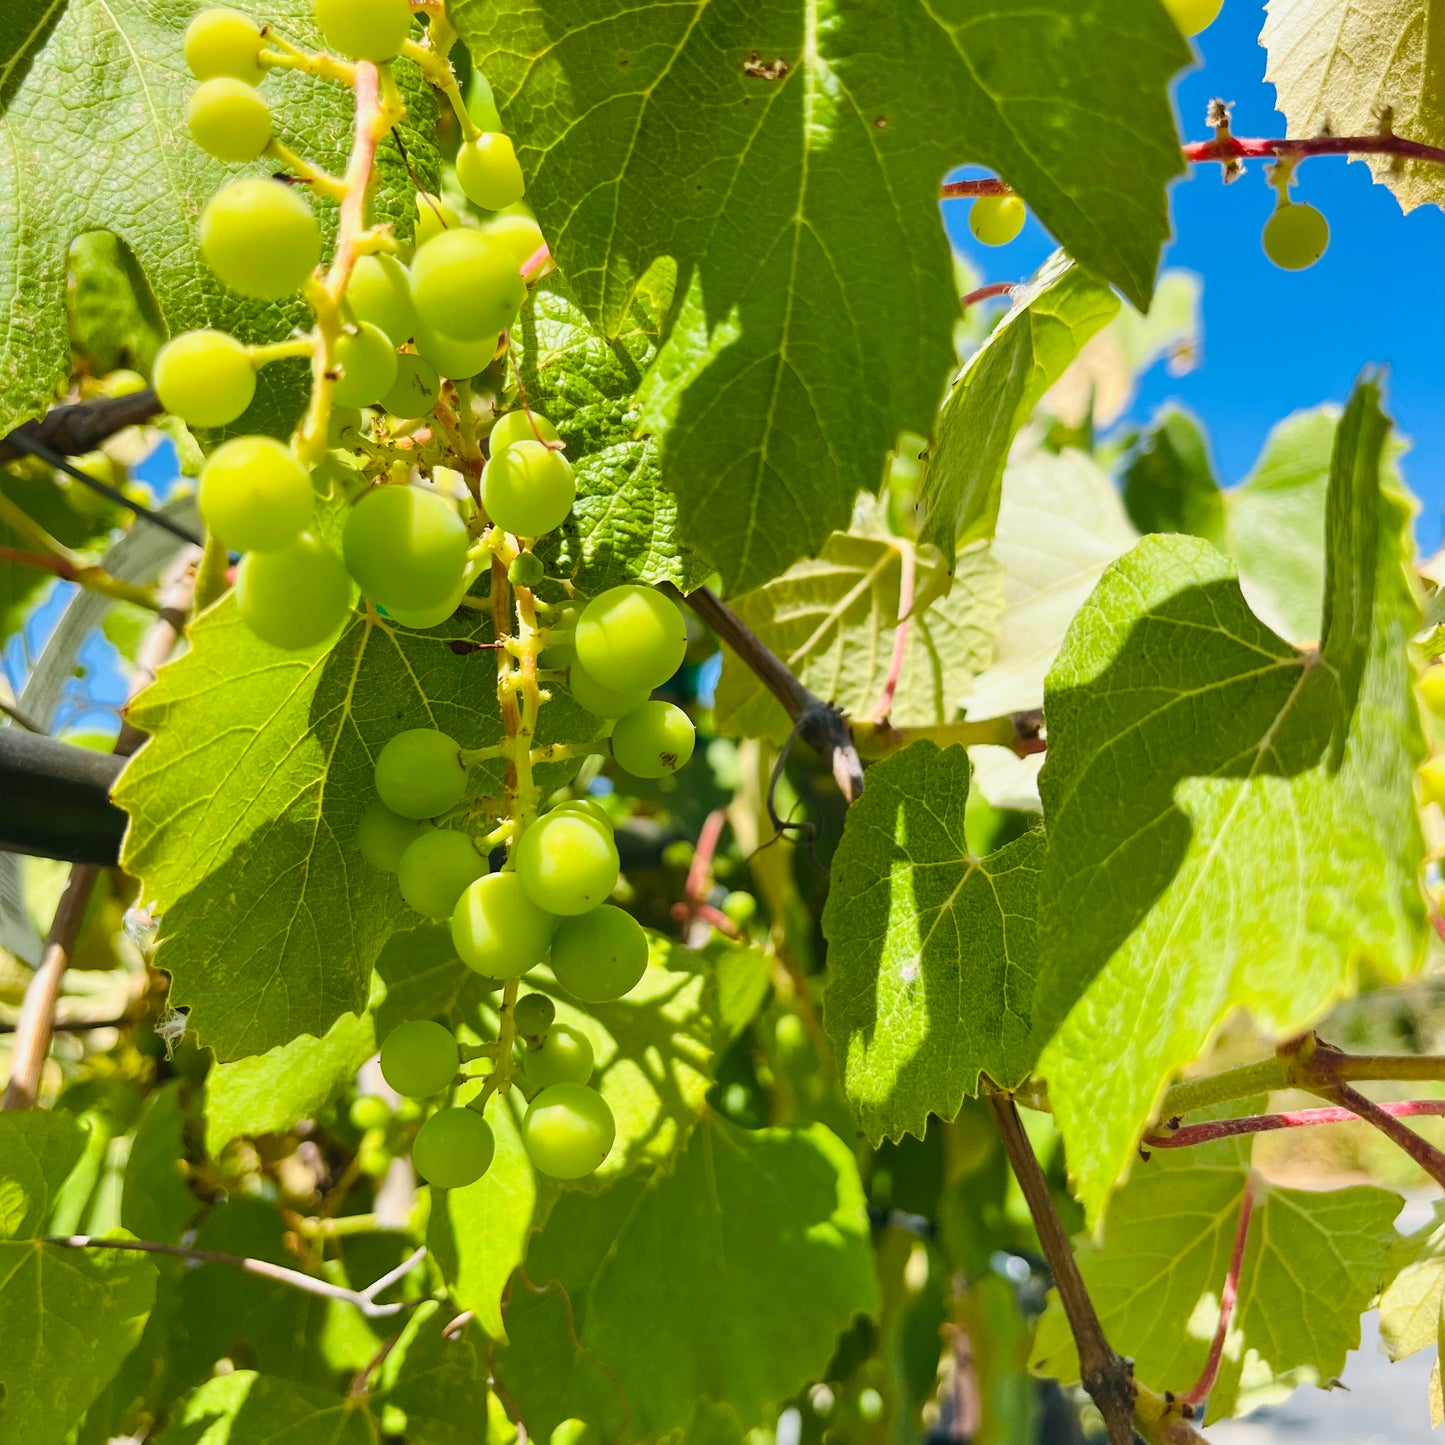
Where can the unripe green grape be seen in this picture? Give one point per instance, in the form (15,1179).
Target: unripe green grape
(436,870)
(488,172)
(433,216)
(740,907)
(416,390)
(575,1432)
(601,955)
(419,773)
(224,42)
(420,1058)
(519,426)
(567,863)
(631,638)
(654,741)
(528,489)
(598,700)
(1192,16)
(421,618)
(1295,236)
(345,428)
(205,378)
(406,546)
(295,597)
(588,808)
(568,1131)
(521,235)
(870,1405)
(380,292)
(679,854)
(565,1057)
(228,119)
(996,220)
(372,1158)
(533,1015)
(526,570)
(369,1111)
(453,1148)
(464,286)
(1432,688)
(456,359)
(1432,781)
(254,495)
(481,104)
(125,382)
(366,362)
(383,836)
(364,29)
(790,1035)
(258,235)
(497,930)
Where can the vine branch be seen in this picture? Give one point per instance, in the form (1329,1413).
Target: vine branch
(81,426)
(1183,1136)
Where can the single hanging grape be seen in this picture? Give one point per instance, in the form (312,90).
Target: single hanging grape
(599,956)
(420,1058)
(228,119)
(406,546)
(366,360)
(254,495)
(260,238)
(464,286)
(498,931)
(528,489)
(996,220)
(567,862)
(1432,780)
(205,378)
(1192,16)
(565,1057)
(1295,236)
(419,773)
(488,173)
(224,42)
(436,870)
(380,292)
(519,426)
(364,29)
(568,1131)
(526,570)
(456,359)
(384,836)
(631,638)
(534,1014)
(296,597)
(453,1148)
(654,741)
(369,1111)
(416,390)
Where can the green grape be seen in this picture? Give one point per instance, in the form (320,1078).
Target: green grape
(464,286)
(654,741)
(205,378)
(254,495)
(373,1158)
(1432,781)
(533,1014)
(528,489)
(741,907)
(558,659)
(419,773)
(433,216)
(588,808)
(598,700)
(406,546)
(383,836)
(1192,16)
(124,381)
(519,426)
(1295,236)
(567,862)
(790,1035)
(366,360)
(224,42)
(436,870)
(870,1405)
(526,570)
(369,1111)
(364,29)
(1432,688)
(488,173)
(678,854)
(481,104)
(521,235)
(228,119)
(258,235)
(996,220)
(453,1148)
(295,597)
(380,292)
(422,618)
(456,359)
(416,390)
(568,1131)
(420,1058)
(565,1057)
(497,930)
(631,639)
(600,955)
(345,428)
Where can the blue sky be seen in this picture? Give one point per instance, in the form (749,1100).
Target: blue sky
(1273,341)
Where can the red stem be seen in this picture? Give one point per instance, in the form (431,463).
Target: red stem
(1197,1392)
(907,573)
(986,293)
(1424,1153)
(1189,1134)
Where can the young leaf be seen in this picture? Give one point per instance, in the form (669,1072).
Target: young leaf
(1410,1307)
(246,1407)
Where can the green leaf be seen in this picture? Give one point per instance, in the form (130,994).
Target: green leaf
(931,952)
(1169,483)
(424,979)
(37,1152)
(790,158)
(834,618)
(663,1291)
(254,1409)
(436,1380)
(1201,775)
(996,391)
(112,313)
(245,803)
(1410,1307)
(1312,1264)
(155,1203)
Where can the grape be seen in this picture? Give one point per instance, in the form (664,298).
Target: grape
(380,292)
(488,173)
(654,741)
(366,359)
(565,1057)
(224,42)
(739,906)
(296,597)
(433,216)
(533,1014)
(497,930)
(996,220)
(456,359)
(526,570)
(1432,688)
(1295,236)
(1192,16)
(205,378)
(364,29)
(528,489)
(870,1405)
(419,773)
(228,119)
(598,700)
(481,105)
(421,618)
(1432,781)
(436,870)
(259,237)
(369,1111)
(588,808)
(568,1131)
(519,426)
(464,286)
(416,389)
(453,1148)
(631,639)
(419,1058)
(567,862)
(384,836)
(345,428)
(790,1035)
(406,547)
(254,495)
(601,955)
(521,235)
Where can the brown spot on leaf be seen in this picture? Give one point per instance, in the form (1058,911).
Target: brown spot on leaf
(757,68)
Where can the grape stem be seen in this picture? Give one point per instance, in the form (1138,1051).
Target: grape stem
(286,56)
(1020,732)
(319,181)
(434,65)
(1198,1392)
(1183,1136)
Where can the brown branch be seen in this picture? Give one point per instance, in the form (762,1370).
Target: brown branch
(81,427)
(1198,1392)
(1424,1153)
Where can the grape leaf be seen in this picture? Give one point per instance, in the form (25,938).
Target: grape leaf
(662,1291)
(1410,1307)
(931,955)
(1201,776)
(37,1153)
(1312,1264)
(1338,65)
(254,1409)
(112,316)
(245,803)
(834,618)
(423,978)
(156,1204)
(996,391)
(748,143)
